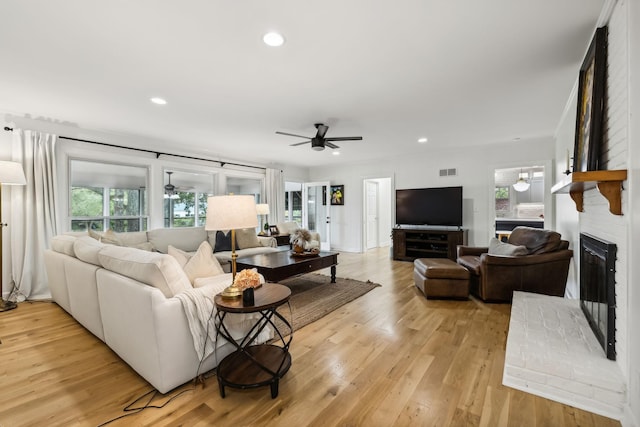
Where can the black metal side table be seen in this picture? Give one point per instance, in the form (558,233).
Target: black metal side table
(255,365)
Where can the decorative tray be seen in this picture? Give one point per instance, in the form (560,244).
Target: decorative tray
(305,254)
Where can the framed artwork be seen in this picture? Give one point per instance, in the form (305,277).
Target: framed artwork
(273,230)
(590,113)
(337,195)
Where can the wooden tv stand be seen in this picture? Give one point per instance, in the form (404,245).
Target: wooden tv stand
(412,243)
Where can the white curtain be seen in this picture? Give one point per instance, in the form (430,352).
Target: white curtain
(275,195)
(33,213)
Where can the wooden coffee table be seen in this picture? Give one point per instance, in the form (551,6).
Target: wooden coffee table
(277,266)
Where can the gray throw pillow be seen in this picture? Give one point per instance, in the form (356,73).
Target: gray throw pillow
(496,247)
(247,238)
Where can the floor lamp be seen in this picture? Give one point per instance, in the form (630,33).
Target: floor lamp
(230,213)
(11,173)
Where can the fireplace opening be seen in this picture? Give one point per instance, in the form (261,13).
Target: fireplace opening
(597,289)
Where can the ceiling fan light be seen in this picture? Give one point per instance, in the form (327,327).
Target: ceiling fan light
(317,147)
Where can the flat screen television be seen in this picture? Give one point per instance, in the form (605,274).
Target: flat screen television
(438,206)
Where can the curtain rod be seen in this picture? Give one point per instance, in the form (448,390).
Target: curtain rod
(157,153)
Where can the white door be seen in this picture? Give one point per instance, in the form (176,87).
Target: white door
(371,208)
(316,211)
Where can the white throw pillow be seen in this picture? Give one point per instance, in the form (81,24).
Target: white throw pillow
(181,256)
(496,247)
(200,264)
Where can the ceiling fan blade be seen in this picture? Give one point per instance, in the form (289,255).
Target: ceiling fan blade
(291,134)
(300,143)
(330,145)
(345,138)
(322,130)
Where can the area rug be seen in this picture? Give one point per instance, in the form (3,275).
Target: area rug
(313,296)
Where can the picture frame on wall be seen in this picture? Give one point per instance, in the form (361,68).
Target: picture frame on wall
(590,112)
(337,195)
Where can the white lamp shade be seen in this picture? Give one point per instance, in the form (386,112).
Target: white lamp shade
(11,173)
(231,212)
(262,209)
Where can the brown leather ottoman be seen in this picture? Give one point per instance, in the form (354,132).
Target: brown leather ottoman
(441,278)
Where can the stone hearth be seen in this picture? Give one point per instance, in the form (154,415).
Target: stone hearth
(552,352)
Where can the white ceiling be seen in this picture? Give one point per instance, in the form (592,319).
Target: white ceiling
(460,72)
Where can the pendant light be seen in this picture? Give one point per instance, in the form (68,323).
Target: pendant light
(521,185)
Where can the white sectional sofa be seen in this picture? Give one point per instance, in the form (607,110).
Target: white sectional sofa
(126,297)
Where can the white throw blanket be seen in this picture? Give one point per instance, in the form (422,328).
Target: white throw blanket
(201,312)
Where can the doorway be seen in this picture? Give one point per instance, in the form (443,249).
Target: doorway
(519,199)
(376,213)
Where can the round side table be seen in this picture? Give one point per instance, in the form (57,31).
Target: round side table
(255,365)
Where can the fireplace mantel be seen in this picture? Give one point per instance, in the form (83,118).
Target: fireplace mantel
(608,182)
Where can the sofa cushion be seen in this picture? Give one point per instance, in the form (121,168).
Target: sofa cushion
(158,270)
(536,240)
(496,247)
(87,249)
(63,244)
(247,238)
(187,238)
(200,264)
(133,239)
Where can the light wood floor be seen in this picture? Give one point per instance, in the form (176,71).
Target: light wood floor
(389,358)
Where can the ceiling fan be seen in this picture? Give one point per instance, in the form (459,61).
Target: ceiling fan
(171,191)
(319,142)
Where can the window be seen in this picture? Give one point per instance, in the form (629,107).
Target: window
(186,205)
(185,209)
(293,202)
(107,196)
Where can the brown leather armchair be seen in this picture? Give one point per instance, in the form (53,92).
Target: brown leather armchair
(542,270)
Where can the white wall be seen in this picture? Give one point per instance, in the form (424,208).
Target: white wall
(475,173)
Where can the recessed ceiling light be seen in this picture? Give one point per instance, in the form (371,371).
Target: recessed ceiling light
(158,101)
(336,153)
(422,140)
(273,39)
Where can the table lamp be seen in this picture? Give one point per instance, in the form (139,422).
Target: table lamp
(230,213)
(263,210)
(11,173)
